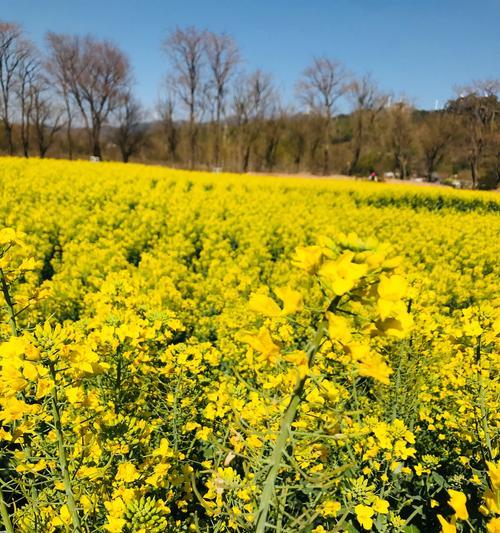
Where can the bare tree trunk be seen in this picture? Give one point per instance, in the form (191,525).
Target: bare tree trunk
(69,126)
(96,148)
(430,169)
(358,140)
(473,172)
(192,144)
(25,143)
(326,149)
(95,137)
(246,158)
(355,159)
(217,147)
(186,50)
(10,138)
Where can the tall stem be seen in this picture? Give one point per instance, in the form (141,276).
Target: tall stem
(482,402)
(285,427)
(10,305)
(4,511)
(63,462)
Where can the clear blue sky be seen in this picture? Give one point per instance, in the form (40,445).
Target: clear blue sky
(419,48)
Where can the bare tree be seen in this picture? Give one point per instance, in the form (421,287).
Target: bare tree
(367,102)
(95,73)
(130,132)
(478,107)
(166,109)
(62,66)
(296,140)
(223,57)
(436,132)
(28,72)
(400,137)
(321,85)
(272,133)
(46,116)
(185,48)
(253,96)
(98,86)
(13,50)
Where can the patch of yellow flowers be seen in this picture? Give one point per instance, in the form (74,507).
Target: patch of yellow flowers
(189,352)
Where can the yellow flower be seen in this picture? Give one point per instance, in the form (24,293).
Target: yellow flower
(292,300)
(458,501)
(14,347)
(494,474)
(338,328)
(115,525)
(380,506)
(127,472)
(261,303)
(254,442)
(446,527)
(64,518)
(115,507)
(372,365)
(87,504)
(14,409)
(263,343)
(364,515)
(299,359)
(493,526)
(314,397)
(331,508)
(492,500)
(342,274)
(44,386)
(392,288)
(203,433)
(308,257)
(7,235)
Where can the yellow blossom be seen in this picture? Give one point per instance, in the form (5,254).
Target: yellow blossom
(127,472)
(458,501)
(364,516)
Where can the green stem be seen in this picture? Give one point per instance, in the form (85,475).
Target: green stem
(63,462)
(482,401)
(5,515)
(10,305)
(118,383)
(4,511)
(285,427)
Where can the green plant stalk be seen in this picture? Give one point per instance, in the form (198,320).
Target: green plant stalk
(4,512)
(482,401)
(285,427)
(15,332)
(10,305)
(63,462)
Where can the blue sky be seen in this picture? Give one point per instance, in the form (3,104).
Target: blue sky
(419,48)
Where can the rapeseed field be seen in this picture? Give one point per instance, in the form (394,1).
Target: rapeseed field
(223,353)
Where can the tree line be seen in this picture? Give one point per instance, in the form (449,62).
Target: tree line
(75,99)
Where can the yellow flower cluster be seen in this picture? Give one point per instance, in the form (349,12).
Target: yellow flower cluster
(193,352)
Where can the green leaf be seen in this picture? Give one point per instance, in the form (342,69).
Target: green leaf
(439,479)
